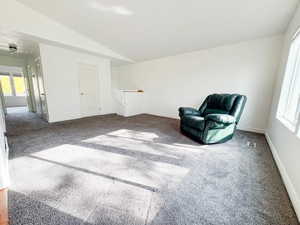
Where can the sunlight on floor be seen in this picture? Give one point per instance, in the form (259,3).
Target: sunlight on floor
(131,146)
(143,142)
(191,147)
(73,174)
(146,136)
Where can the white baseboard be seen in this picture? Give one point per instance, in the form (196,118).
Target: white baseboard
(255,130)
(249,129)
(285,177)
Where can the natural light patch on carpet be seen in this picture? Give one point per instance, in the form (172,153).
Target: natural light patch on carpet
(196,147)
(147,136)
(76,154)
(143,170)
(131,146)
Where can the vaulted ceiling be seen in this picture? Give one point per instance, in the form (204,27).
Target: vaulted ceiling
(142,29)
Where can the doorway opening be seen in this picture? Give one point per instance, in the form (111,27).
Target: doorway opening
(13,90)
(22,91)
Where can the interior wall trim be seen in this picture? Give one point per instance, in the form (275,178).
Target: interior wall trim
(250,129)
(285,177)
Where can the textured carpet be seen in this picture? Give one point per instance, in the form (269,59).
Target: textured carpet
(19,121)
(110,170)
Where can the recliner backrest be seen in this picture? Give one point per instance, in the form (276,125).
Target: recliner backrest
(232,104)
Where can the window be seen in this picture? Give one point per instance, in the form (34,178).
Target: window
(19,85)
(6,85)
(13,85)
(289,105)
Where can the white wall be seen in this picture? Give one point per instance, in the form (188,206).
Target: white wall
(61,80)
(285,144)
(15,101)
(13,60)
(247,68)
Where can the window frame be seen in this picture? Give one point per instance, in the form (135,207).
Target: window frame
(289,84)
(11,76)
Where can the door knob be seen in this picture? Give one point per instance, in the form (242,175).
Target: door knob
(81,93)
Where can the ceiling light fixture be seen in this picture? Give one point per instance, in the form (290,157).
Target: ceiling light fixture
(10,47)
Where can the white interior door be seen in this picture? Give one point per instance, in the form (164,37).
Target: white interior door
(4,176)
(89,90)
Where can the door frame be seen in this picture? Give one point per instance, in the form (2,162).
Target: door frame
(42,93)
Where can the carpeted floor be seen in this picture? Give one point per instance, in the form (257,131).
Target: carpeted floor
(110,170)
(19,121)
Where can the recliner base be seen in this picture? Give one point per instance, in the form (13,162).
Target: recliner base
(211,136)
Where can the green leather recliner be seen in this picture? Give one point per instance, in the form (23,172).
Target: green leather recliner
(216,119)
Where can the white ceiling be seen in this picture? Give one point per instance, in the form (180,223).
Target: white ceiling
(25,46)
(147,29)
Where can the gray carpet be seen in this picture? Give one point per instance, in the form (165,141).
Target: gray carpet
(19,121)
(110,170)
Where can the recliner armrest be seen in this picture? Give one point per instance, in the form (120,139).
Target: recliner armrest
(188,111)
(221,118)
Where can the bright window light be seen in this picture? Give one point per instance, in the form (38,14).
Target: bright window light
(13,85)
(19,85)
(289,105)
(6,85)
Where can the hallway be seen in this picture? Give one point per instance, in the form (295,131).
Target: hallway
(19,121)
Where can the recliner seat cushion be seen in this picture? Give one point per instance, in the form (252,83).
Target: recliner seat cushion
(215,125)
(195,122)
(220,118)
